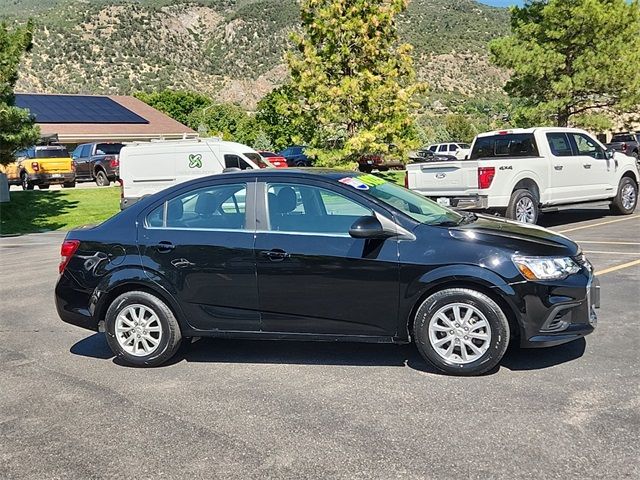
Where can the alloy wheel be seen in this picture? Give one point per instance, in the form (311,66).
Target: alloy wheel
(138,330)
(459,333)
(525,210)
(628,196)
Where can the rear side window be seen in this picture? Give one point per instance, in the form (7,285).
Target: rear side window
(219,207)
(559,144)
(509,145)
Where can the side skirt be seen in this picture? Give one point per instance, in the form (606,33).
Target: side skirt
(304,337)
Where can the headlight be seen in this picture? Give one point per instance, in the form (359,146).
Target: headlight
(546,268)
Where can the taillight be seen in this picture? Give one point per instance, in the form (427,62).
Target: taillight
(113,162)
(67,250)
(35,166)
(485,176)
(73,166)
(406,179)
(623,146)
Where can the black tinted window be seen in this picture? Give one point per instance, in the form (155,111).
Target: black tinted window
(220,207)
(509,145)
(51,153)
(234,161)
(622,138)
(559,144)
(108,148)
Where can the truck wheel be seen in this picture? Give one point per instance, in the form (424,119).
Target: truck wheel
(101,179)
(24,181)
(142,330)
(523,207)
(461,331)
(43,187)
(624,203)
(69,184)
(365,168)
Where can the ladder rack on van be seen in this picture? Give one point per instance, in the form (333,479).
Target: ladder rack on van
(176,140)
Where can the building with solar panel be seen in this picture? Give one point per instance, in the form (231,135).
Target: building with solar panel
(76,119)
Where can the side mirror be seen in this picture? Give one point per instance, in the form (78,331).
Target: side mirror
(610,153)
(369,227)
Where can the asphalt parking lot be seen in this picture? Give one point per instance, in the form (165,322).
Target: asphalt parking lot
(241,409)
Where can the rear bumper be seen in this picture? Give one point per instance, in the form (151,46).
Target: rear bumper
(471,202)
(72,303)
(51,178)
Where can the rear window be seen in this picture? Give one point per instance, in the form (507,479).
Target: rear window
(108,148)
(51,153)
(623,138)
(509,145)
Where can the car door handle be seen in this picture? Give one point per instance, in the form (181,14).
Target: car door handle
(276,255)
(558,167)
(164,247)
(587,165)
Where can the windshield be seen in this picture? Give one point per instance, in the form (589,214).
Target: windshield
(258,160)
(410,203)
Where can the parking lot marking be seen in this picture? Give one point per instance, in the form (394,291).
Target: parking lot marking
(618,267)
(637,254)
(598,224)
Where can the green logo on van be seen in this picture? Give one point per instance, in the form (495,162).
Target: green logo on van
(195,161)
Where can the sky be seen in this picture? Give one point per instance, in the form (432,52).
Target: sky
(501,3)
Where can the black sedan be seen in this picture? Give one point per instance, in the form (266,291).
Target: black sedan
(322,255)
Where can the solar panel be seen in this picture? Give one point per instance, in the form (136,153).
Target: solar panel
(76,109)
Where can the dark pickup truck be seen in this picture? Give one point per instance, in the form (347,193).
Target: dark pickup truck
(627,143)
(99,162)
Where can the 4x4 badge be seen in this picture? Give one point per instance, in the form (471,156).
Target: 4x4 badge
(195,161)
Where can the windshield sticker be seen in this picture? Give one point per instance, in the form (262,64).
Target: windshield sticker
(354,182)
(371,180)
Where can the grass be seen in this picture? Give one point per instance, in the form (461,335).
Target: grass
(393,176)
(38,211)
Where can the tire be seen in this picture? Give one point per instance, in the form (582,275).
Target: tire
(24,181)
(43,187)
(164,329)
(523,207)
(101,179)
(430,328)
(300,163)
(365,168)
(69,184)
(625,201)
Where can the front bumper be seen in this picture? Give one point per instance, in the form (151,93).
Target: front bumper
(51,178)
(561,312)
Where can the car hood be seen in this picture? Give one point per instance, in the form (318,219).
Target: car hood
(519,237)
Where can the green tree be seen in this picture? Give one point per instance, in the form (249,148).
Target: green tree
(181,105)
(262,142)
(572,61)
(459,128)
(350,73)
(17,127)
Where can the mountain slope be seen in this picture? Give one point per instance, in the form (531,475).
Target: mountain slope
(229,49)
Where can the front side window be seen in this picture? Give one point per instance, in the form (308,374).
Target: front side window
(235,161)
(219,207)
(559,144)
(310,209)
(587,146)
(433,148)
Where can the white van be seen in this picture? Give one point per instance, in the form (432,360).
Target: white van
(148,167)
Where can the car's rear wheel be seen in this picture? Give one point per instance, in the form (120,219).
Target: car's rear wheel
(69,184)
(461,331)
(141,329)
(43,187)
(365,168)
(101,179)
(523,207)
(626,199)
(24,181)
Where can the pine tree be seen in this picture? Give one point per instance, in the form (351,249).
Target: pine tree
(351,75)
(573,61)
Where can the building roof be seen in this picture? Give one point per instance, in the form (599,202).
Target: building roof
(85,118)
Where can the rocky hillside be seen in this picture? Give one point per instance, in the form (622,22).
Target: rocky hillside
(229,49)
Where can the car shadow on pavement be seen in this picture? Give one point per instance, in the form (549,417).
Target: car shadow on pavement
(211,350)
(569,217)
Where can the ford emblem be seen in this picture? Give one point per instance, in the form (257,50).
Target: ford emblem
(441,175)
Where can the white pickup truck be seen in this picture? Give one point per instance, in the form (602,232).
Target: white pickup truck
(523,172)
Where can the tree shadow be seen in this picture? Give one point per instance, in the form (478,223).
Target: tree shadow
(273,352)
(33,211)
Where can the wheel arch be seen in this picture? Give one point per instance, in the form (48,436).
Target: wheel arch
(530,184)
(494,293)
(630,174)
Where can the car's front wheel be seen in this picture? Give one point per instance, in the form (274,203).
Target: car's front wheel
(141,329)
(625,201)
(461,331)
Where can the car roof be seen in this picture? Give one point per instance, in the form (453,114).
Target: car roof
(312,172)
